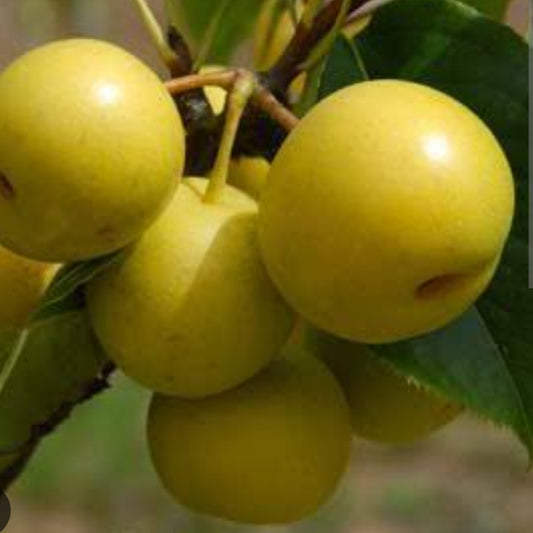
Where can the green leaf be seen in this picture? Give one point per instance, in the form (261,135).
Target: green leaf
(493,8)
(48,367)
(64,293)
(463,362)
(192,17)
(344,66)
(483,64)
(60,364)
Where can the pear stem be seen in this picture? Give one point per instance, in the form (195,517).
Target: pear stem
(168,56)
(239,96)
(225,79)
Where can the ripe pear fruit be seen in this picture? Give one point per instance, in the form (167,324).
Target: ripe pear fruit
(190,310)
(249,174)
(22,284)
(385,407)
(92,150)
(385,211)
(269,451)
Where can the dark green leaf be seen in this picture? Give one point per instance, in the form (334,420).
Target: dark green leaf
(344,66)
(193,17)
(463,362)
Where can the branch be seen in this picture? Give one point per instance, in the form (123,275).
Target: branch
(302,43)
(25,452)
(226,79)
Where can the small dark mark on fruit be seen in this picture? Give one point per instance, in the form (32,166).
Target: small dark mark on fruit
(440,286)
(105,231)
(6,189)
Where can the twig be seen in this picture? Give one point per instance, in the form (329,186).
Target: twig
(167,54)
(302,43)
(267,102)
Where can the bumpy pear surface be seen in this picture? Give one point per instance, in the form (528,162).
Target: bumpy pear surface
(384,406)
(22,284)
(269,451)
(385,212)
(92,150)
(190,310)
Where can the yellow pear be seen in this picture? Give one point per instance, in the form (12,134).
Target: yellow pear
(385,211)
(190,310)
(269,451)
(92,150)
(249,174)
(22,284)
(385,407)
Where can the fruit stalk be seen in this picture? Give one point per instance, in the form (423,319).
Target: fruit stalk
(261,96)
(240,94)
(173,61)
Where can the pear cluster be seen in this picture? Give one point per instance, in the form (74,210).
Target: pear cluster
(382,217)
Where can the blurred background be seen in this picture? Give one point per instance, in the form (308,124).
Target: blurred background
(93,474)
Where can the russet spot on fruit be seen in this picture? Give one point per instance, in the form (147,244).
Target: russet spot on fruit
(385,407)
(190,309)
(92,150)
(386,211)
(269,451)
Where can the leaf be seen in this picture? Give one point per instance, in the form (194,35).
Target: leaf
(48,367)
(483,64)
(493,8)
(60,364)
(463,362)
(192,17)
(63,294)
(344,66)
